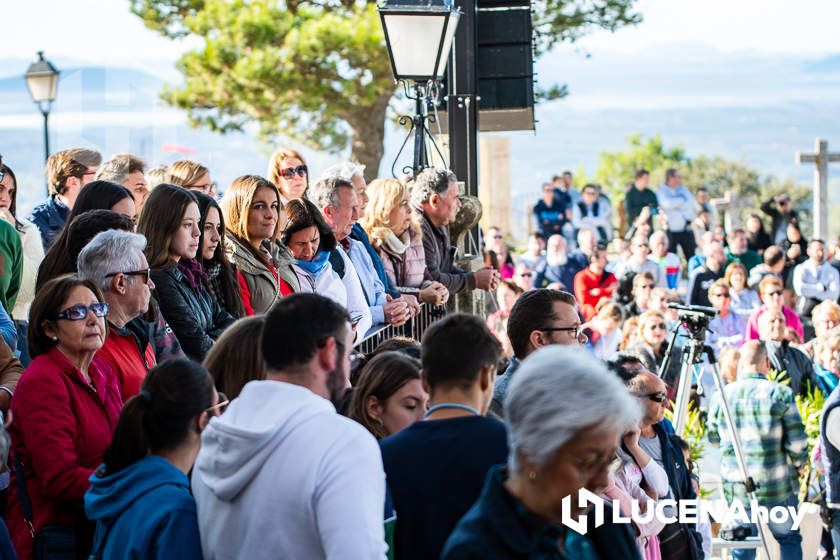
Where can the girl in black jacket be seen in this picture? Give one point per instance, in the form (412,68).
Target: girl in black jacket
(170,221)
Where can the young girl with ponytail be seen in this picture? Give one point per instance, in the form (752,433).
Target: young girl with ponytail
(140,497)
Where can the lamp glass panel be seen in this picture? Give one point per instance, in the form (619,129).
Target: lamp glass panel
(414,41)
(447,42)
(43,87)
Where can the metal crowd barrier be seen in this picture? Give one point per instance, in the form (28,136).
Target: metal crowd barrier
(414,328)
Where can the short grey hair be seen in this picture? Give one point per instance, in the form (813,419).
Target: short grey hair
(556,393)
(345,170)
(431,181)
(114,170)
(325,192)
(110,251)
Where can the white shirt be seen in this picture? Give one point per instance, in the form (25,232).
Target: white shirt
(820,282)
(678,205)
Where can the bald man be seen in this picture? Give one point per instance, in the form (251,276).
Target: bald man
(783,357)
(772,438)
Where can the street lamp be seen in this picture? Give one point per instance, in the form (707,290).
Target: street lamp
(418,35)
(42,81)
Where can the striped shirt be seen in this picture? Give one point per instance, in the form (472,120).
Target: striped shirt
(772,436)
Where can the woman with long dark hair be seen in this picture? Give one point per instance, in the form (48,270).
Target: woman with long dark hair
(221,274)
(140,497)
(170,221)
(33,254)
(97,195)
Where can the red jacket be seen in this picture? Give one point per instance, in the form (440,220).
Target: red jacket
(60,429)
(587,282)
(129,354)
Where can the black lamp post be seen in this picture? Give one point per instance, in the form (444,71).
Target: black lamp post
(418,34)
(42,81)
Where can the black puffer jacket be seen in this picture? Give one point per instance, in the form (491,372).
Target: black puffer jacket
(195,316)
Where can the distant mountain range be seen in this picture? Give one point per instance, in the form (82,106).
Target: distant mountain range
(753,107)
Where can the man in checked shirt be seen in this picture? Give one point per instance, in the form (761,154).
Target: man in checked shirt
(772,439)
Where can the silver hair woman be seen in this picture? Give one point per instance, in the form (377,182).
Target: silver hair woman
(565,415)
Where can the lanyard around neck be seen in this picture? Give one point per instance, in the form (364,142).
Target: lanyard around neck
(451,405)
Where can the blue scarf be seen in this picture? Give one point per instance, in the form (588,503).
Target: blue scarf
(316,265)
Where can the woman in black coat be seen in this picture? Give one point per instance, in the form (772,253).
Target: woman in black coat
(170,221)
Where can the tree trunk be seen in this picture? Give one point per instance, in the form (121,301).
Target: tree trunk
(368,142)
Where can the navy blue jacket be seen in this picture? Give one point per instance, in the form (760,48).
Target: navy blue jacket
(359,234)
(144,511)
(50,218)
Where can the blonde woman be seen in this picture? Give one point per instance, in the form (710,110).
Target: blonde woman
(191,175)
(397,238)
(652,343)
(289,173)
(251,208)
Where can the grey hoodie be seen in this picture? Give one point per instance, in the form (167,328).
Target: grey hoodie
(281,475)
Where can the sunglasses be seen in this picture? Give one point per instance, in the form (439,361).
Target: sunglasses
(721,294)
(647,286)
(146,274)
(524,274)
(658,397)
(662,326)
(80,312)
(773,293)
(290,172)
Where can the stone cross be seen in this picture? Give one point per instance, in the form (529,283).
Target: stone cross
(821,157)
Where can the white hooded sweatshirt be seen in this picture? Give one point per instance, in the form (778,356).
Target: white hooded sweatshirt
(282,475)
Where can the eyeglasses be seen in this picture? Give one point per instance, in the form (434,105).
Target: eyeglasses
(658,397)
(205,188)
(773,293)
(588,466)
(146,274)
(577,330)
(219,408)
(647,286)
(289,172)
(80,312)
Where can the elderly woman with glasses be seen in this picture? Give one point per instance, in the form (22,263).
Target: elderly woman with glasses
(64,411)
(727,329)
(771,291)
(557,448)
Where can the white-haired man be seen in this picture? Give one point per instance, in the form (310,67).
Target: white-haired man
(355,174)
(114,260)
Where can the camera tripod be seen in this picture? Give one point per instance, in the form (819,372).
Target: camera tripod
(695,319)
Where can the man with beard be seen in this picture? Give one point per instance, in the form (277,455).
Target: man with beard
(436,468)
(280,474)
(556,267)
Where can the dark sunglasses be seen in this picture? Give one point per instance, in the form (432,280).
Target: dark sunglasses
(529,274)
(146,274)
(662,326)
(658,397)
(773,293)
(80,312)
(289,172)
(721,294)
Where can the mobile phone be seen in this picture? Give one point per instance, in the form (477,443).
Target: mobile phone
(354,320)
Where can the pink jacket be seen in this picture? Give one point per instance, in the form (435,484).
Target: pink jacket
(406,269)
(791,319)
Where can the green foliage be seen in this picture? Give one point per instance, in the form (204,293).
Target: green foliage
(780,377)
(810,410)
(316,71)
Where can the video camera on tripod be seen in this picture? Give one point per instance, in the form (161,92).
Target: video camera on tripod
(695,318)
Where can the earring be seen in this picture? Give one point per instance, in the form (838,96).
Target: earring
(55,339)
(380,422)
(532,476)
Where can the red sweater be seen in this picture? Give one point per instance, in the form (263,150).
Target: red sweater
(60,429)
(121,352)
(590,288)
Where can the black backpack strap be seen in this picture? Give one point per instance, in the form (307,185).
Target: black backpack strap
(337,263)
(23,495)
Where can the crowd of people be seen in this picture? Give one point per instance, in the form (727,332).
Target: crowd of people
(174,356)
